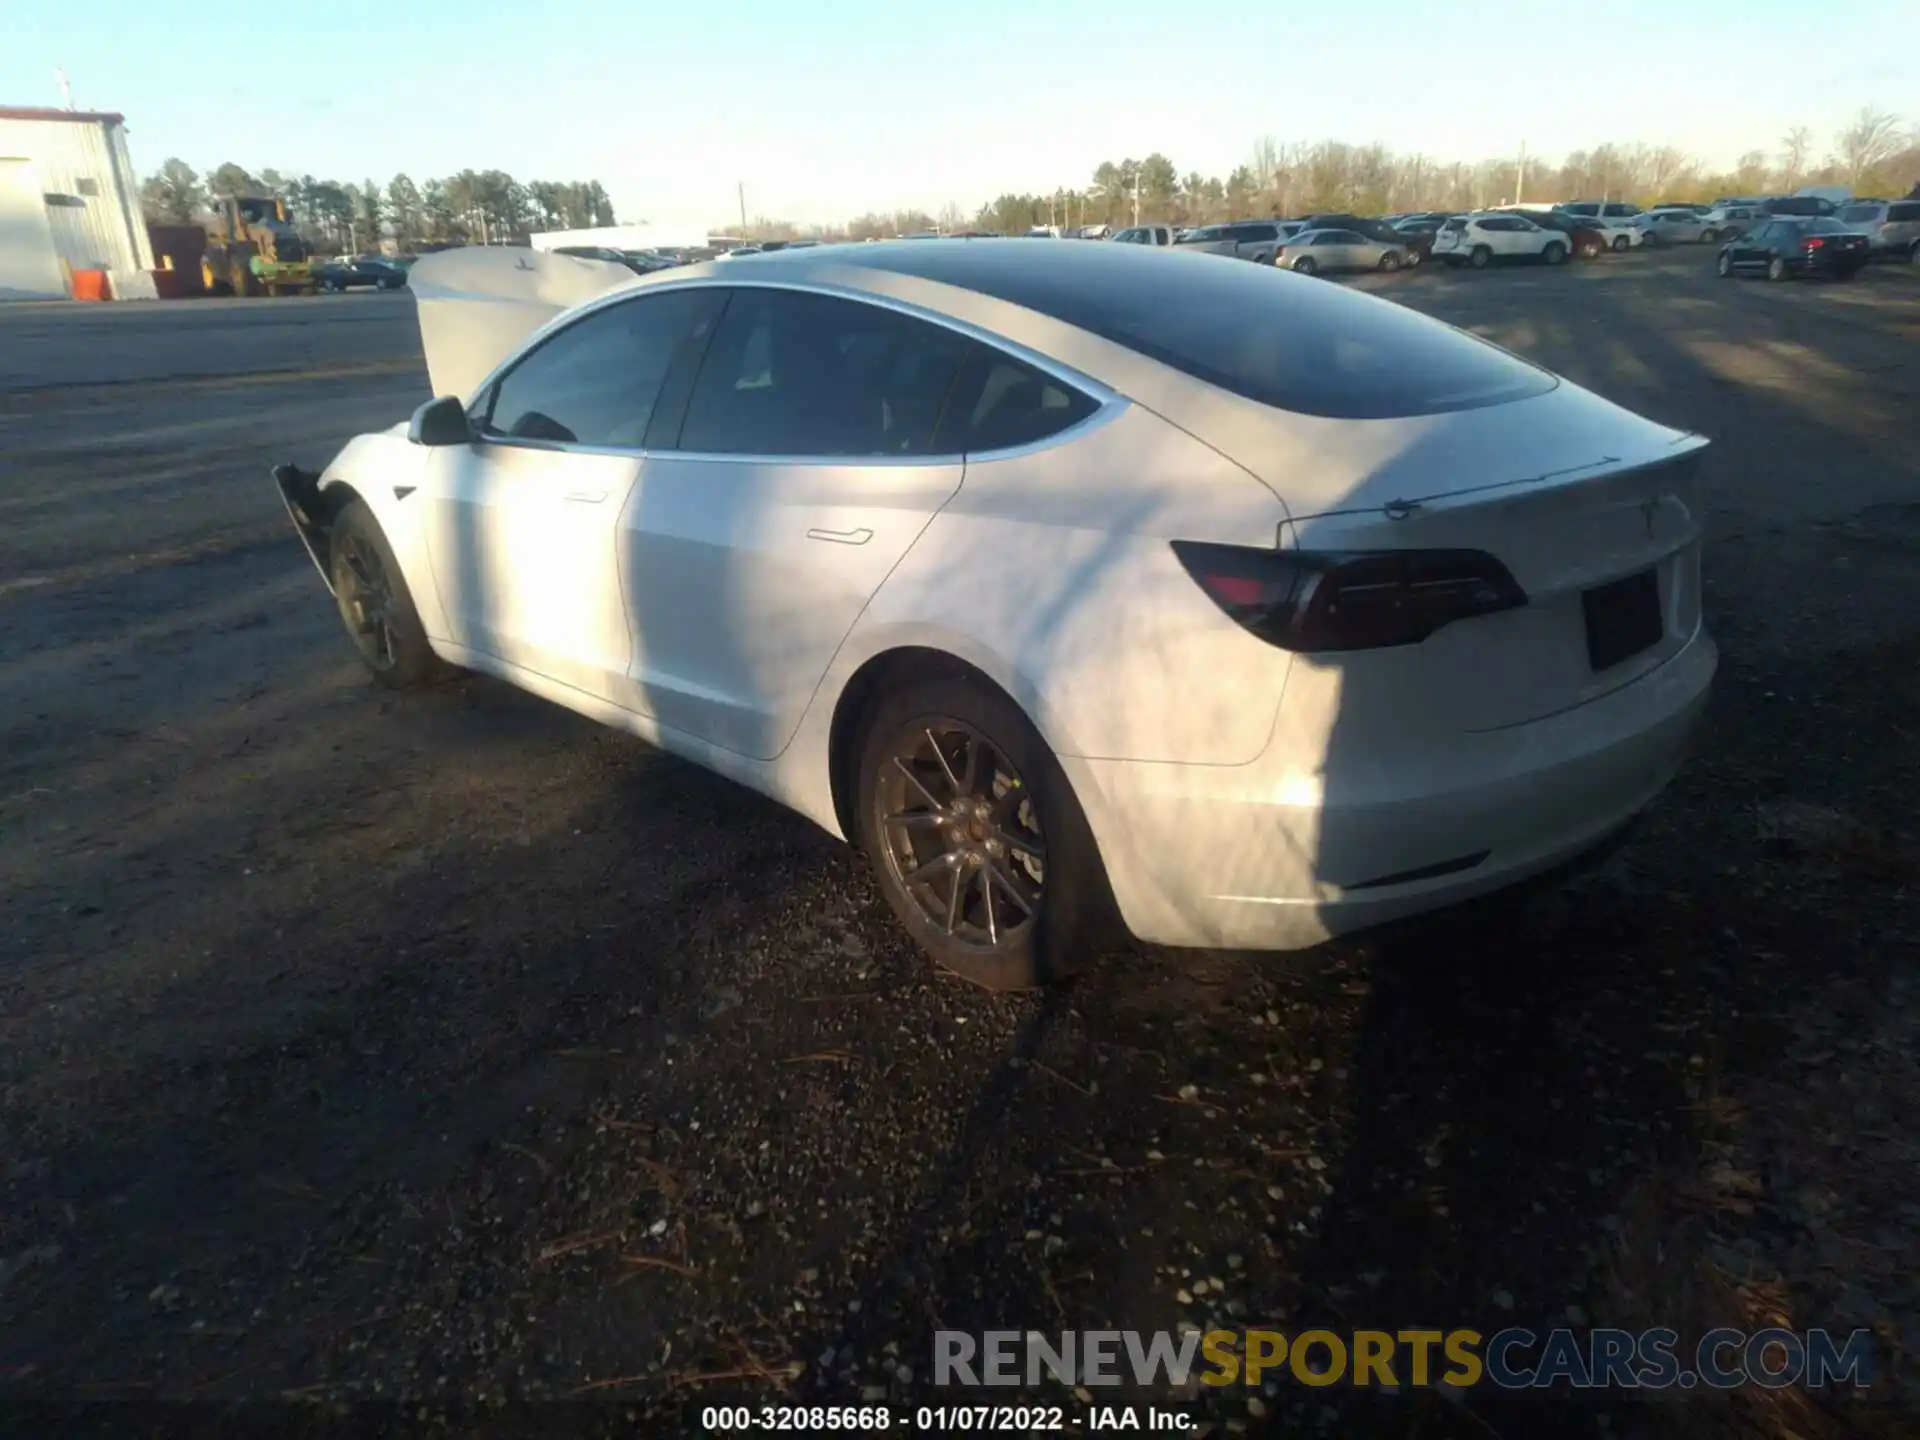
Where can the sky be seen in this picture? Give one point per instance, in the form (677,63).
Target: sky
(823,112)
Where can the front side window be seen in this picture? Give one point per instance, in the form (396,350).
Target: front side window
(794,373)
(596,381)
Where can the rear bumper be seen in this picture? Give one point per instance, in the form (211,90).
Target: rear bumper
(1234,857)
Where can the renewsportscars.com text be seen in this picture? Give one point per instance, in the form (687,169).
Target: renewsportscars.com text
(1511,1359)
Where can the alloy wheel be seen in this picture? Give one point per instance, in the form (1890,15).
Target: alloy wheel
(366,600)
(961,834)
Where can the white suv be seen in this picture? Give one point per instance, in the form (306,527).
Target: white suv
(1481,238)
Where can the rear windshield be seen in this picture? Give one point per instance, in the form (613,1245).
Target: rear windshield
(1283,340)
(1820,227)
(1854,214)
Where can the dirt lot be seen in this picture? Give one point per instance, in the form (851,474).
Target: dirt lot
(452,1049)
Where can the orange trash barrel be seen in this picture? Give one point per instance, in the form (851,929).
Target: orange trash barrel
(90,285)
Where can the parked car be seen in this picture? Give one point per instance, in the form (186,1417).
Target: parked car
(1586,238)
(1623,232)
(1371,228)
(1795,245)
(1892,227)
(1314,252)
(1670,225)
(1802,205)
(1362,616)
(1485,236)
(1157,235)
(1416,236)
(1255,240)
(362,272)
(1724,221)
(1601,210)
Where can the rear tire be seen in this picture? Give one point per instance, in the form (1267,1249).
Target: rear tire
(1480,257)
(1306,265)
(1724,267)
(979,844)
(1621,244)
(376,606)
(1554,253)
(1777,269)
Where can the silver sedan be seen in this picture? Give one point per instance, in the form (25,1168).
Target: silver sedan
(1314,252)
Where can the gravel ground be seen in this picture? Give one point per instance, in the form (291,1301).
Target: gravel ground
(453,1050)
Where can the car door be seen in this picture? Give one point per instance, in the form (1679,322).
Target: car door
(523,531)
(1751,247)
(803,471)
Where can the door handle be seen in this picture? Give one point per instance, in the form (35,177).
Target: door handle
(587,497)
(842,537)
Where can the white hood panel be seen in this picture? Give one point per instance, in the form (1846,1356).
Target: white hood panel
(478,304)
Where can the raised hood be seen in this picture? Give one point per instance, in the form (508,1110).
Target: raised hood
(476,305)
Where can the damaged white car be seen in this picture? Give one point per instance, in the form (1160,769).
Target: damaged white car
(1071,583)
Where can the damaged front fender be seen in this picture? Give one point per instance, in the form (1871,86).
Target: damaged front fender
(311,513)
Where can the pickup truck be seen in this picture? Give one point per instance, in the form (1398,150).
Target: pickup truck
(1160,235)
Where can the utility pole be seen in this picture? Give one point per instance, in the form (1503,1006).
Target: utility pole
(1136,197)
(66,91)
(741,185)
(1520,182)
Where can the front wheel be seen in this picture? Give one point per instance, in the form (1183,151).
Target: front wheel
(1620,243)
(1554,253)
(1389,261)
(978,841)
(1724,265)
(1776,269)
(1480,258)
(376,606)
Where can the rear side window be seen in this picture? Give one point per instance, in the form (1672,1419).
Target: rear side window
(1296,344)
(1001,402)
(1455,225)
(794,373)
(1854,214)
(596,381)
(1904,213)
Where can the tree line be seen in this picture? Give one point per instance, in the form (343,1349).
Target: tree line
(472,207)
(1875,155)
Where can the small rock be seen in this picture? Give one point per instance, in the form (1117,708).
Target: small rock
(1503,1298)
(853,946)
(1200,1287)
(1256,1407)
(871,1393)
(1189,1092)
(1183,1295)
(164,1295)
(1083,1395)
(659,1227)
(1234,1262)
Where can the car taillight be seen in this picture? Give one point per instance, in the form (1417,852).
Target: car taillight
(1320,602)
(1815,243)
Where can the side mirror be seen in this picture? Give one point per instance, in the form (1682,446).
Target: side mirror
(441,421)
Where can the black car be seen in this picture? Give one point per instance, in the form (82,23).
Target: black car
(368,271)
(1794,246)
(1372,229)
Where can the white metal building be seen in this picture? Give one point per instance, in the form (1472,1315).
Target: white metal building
(69,200)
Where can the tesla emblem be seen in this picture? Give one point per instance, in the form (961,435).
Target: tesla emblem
(1648,509)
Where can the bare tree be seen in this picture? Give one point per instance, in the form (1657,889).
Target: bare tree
(1795,146)
(1874,136)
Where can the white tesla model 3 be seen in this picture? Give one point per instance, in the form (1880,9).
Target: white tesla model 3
(1070,582)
